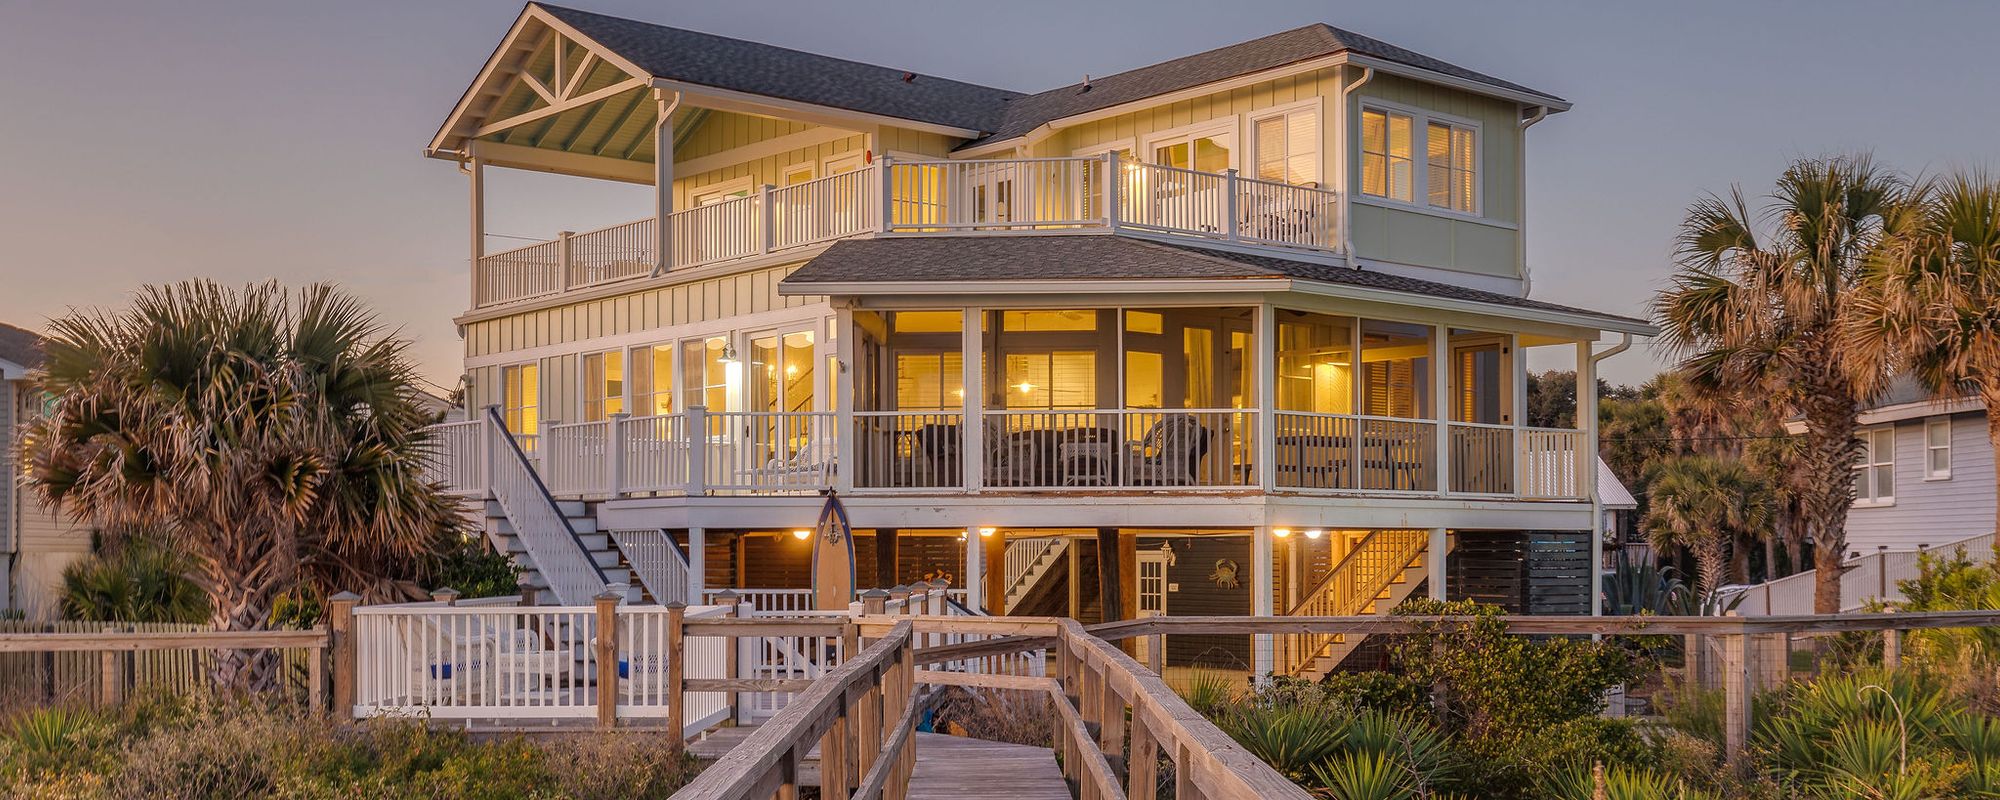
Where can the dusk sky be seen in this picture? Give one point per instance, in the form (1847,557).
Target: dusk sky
(150,142)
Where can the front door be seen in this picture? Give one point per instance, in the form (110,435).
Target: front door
(1153,581)
(780,392)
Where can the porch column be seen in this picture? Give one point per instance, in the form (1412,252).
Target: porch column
(1516,362)
(697,543)
(663,179)
(1586,465)
(975,572)
(1440,402)
(842,385)
(1262,658)
(972,438)
(1110,579)
(886,556)
(1265,452)
(1434,562)
(994,558)
(477,171)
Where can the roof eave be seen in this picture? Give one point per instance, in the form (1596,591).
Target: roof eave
(723,100)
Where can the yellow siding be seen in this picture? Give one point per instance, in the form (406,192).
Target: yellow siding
(722,132)
(1138,125)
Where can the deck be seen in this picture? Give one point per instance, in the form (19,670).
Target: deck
(948,767)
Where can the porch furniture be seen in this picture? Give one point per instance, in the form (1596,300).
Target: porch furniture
(811,463)
(1011,459)
(1170,454)
(1089,463)
(1330,462)
(464,647)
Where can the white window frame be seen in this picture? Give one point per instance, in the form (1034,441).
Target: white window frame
(1128,144)
(1866,462)
(583,382)
(742,185)
(1420,119)
(1231,126)
(1933,426)
(1318,110)
(507,412)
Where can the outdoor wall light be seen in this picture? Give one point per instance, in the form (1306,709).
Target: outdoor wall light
(728,353)
(1281,532)
(986,532)
(1314,533)
(802,534)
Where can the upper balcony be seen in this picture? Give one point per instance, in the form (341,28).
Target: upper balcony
(934,198)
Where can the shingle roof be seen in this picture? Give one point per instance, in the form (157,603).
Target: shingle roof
(946,259)
(744,66)
(20,345)
(1277,50)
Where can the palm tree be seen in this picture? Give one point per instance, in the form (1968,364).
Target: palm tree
(274,440)
(1928,304)
(1756,316)
(1705,504)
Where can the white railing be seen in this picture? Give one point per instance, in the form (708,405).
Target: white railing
(1118,448)
(655,453)
(1874,576)
(497,662)
(909,449)
(824,209)
(1354,453)
(611,254)
(1024,554)
(457,457)
(766,601)
(573,576)
(658,562)
(930,196)
(1481,458)
(754,451)
(576,458)
(1554,464)
(1351,588)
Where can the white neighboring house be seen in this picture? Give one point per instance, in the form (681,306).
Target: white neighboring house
(35,543)
(1924,477)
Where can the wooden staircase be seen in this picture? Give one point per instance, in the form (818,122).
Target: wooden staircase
(1029,562)
(1382,570)
(500,532)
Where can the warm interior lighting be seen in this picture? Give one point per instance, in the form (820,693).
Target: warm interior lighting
(1281,532)
(1314,533)
(1025,387)
(802,534)
(986,532)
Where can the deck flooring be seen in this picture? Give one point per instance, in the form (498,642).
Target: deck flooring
(948,767)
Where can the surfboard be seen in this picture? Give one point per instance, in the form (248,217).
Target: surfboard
(833,558)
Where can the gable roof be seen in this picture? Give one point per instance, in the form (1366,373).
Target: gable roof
(744,66)
(1058,257)
(1270,52)
(20,346)
(703,59)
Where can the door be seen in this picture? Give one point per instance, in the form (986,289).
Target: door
(780,384)
(1181,198)
(1153,581)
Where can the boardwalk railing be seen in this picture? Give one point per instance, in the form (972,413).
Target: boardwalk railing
(107,662)
(992,196)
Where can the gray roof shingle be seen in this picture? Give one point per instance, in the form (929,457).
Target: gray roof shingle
(772,71)
(20,345)
(947,259)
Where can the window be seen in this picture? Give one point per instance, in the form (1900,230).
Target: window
(653,380)
(521,398)
(1395,369)
(603,385)
(930,381)
(1937,449)
(1450,173)
(704,375)
(1875,467)
(1287,147)
(1315,357)
(1386,168)
(798,173)
(1061,379)
(1204,151)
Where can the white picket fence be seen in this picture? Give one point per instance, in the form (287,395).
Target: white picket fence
(1873,576)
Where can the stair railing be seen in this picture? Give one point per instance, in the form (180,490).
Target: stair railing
(1349,588)
(1022,556)
(658,563)
(552,544)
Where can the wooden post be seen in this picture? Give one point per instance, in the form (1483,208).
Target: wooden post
(1736,669)
(900,596)
(676,671)
(832,757)
(445,595)
(993,562)
(607,658)
(887,555)
(1184,788)
(316,681)
(1892,648)
(340,635)
(110,676)
(1110,592)
(530,596)
(1143,768)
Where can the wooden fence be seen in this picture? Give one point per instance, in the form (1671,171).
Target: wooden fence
(104,663)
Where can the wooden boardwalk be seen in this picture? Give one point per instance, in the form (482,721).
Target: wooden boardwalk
(948,767)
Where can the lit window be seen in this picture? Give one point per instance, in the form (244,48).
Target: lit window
(1451,175)
(653,380)
(603,385)
(521,395)
(1386,166)
(1062,379)
(1937,448)
(1875,467)
(1287,147)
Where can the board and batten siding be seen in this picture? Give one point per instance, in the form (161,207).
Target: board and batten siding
(721,132)
(700,307)
(1937,511)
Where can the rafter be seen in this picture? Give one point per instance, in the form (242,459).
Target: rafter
(625,118)
(581,74)
(540,89)
(559,107)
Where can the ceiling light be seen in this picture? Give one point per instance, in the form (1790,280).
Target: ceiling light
(802,534)
(1314,533)
(1281,532)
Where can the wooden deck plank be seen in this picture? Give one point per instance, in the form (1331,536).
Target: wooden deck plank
(956,768)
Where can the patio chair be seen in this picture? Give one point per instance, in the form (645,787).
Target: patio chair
(811,464)
(1170,454)
(1011,460)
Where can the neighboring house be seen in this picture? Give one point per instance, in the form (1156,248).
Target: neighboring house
(35,543)
(1924,477)
(1244,332)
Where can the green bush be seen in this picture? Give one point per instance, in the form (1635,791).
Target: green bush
(1879,734)
(1620,783)
(475,570)
(139,582)
(1489,684)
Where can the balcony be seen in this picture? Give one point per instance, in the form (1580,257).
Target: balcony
(990,197)
(1077,452)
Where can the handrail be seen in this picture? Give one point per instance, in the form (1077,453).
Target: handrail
(655,569)
(883,677)
(542,494)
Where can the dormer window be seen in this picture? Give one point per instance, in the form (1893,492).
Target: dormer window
(1386,167)
(1449,170)
(1453,178)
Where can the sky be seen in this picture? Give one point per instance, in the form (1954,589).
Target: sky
(148,142)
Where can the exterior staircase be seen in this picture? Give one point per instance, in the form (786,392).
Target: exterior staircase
(556,542)
(601,549)
(1381,571)
(1029,562)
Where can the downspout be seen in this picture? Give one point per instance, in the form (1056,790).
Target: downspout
(1521,202)
(1590,477)
(1346,178)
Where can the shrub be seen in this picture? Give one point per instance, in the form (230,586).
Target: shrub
(1491,684)
(1292,739)
(616,766)
(140,582)
(475,570)
(1878,734)
(1619,783)
(995,715)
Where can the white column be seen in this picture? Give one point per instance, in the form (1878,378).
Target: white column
(1434,561)
(975,571)
(663,178)
(697,565)
(1265,342)
(1262,658)
(1586,466)
(842,386)
(972,434)
(1516,364)
(1441,402)
(478,182)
